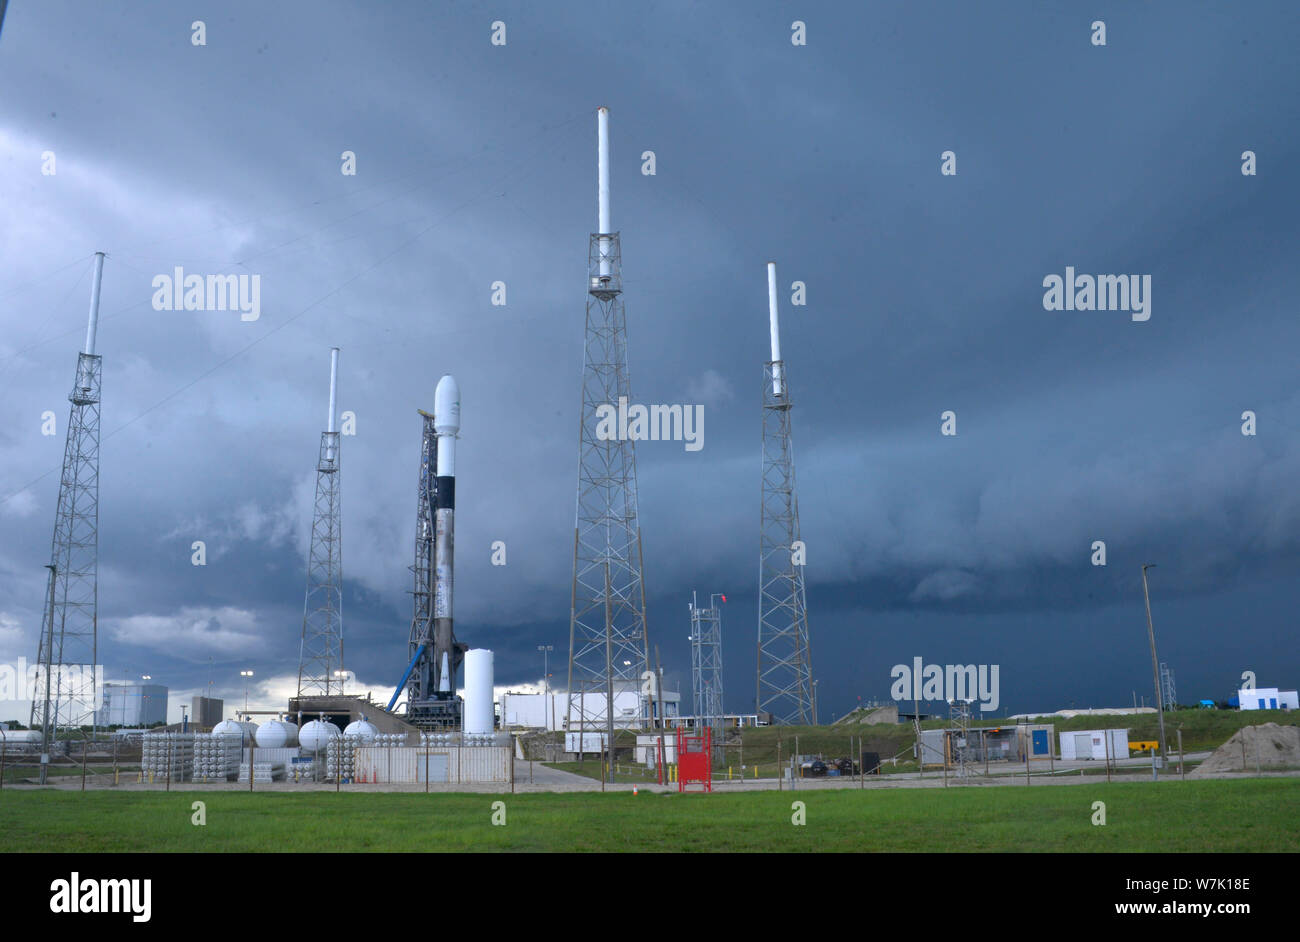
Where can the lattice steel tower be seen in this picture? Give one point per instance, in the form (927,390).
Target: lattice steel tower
(65,694)
(784,685)
(706,664)
(608,648)
(320,660)
(1167,689)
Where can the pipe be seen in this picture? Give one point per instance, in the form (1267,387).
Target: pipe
(603,225)
(406,675)
(93,327)
(774,325)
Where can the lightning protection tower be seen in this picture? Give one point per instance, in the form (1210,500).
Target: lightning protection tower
(1168,692)
(608,648)
(784,677)
(706,665)
(68,650)
(320,660)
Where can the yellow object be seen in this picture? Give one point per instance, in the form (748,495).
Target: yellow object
(1145,745)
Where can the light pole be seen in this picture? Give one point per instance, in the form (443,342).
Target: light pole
(546,649)
(246,675)
(1155,664)
(144,707)
(814,701)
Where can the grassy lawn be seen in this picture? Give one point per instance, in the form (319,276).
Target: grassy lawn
(1246,815)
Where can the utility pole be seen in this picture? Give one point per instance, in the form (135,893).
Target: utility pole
(1155,662)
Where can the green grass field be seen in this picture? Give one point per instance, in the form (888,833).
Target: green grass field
(1246,815)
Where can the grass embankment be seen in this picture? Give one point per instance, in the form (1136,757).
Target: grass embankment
(1203,730)
(1245,815)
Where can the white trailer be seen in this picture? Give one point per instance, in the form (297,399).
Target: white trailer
(584,742)
(1092,744)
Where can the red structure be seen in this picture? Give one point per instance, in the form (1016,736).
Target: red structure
(694,758)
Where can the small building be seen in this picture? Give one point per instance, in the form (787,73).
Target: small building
(983,744)
(647,748)
(1267,698)
(1095,744)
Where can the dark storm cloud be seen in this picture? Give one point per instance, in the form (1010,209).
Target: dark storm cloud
(475,164)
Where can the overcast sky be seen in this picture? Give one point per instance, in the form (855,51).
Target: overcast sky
(475,163)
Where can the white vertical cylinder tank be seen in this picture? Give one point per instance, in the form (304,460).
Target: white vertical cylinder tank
(479,713)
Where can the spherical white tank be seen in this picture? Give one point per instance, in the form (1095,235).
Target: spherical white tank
(362,728)
(277,734)
(316,735)
(479,714)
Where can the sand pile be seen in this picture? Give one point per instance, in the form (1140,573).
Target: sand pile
(1267,746)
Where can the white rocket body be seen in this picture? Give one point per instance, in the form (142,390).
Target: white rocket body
(446,425)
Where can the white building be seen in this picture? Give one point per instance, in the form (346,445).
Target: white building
(552,711)
(1092,744)
(132,705)
(1267,698)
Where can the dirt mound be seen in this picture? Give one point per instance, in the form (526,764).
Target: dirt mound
(1264,747)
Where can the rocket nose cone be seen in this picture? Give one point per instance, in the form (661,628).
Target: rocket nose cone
(446,405)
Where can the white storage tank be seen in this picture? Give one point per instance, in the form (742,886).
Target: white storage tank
(316,735)
(363,729)
(14,736)
(479,712)
(277,734)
